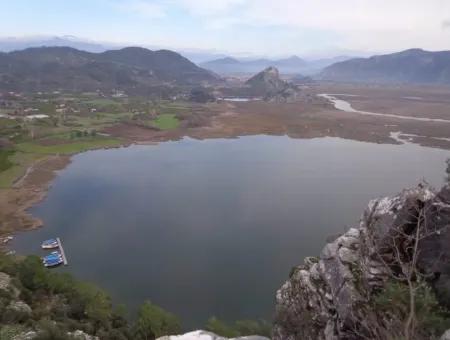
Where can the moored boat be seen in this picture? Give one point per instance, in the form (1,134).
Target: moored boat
(50,244)
(52,256)
(53,262)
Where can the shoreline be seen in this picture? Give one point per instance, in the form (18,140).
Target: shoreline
(311,120)
(33,186)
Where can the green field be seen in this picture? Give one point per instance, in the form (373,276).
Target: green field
(5,162)
(166,121)
(20,162)
(69,148)
(101,102)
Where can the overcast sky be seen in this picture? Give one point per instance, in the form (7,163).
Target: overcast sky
(264,27)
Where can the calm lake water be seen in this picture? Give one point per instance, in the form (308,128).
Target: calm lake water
(213,227)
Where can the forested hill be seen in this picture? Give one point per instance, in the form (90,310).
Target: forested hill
(56,68)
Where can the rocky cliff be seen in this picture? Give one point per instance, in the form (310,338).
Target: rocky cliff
(354,289)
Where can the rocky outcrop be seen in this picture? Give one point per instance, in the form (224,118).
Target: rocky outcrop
(204,335)
(328,297)
(5,281)
(269,84)
(80,335)
(19,307)
(268,80)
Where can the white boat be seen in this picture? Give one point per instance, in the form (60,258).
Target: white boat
(50,244)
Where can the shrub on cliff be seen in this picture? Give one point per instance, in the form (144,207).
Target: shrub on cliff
(153,321)
(239,328)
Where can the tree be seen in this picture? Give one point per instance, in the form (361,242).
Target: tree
(154,322)
(400,253)
(32,273)
(97,304)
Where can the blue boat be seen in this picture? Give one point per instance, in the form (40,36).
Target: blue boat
(53,255)
(53,262)
(50,244)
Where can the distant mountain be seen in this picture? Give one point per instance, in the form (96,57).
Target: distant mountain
(9,44)
(51,68)
(291,65)
(410,66)
(16,44)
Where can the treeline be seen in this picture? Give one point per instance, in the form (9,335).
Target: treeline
(33,298)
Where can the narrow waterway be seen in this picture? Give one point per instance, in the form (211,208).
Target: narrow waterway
(343,105)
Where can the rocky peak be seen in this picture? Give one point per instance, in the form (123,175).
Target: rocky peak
(268,79)
(269,84)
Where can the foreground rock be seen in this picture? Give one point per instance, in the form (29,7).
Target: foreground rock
(204,335)
(329,297)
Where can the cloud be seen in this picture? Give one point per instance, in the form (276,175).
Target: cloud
(144,8)
(381,24)
(369,25)
(208,7)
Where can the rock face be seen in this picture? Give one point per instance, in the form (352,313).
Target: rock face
(267,80)
(327,297)
(203,335)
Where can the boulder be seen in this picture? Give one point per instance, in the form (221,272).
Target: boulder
(82,335)
(20,307)
(446,335)
(25,336)
(5,281)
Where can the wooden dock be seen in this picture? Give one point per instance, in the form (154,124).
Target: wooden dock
(61,249)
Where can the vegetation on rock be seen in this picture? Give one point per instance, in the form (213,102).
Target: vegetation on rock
(32,298)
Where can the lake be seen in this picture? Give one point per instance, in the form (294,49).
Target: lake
(213,227)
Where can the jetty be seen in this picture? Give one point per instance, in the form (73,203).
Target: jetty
(61,249)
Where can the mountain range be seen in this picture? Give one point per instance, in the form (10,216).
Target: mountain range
(291,65)
(410,66)
(50,68)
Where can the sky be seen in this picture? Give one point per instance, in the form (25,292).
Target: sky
(255,27)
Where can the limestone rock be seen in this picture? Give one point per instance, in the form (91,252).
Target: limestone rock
(446,335)
(327,299)
(25,336)
(19,306)
(5,281)
(204,335)
(82,335)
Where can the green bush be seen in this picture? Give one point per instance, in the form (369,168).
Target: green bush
(32,274)
(8,332)
(51,331)
(221,328)
(240,328)
(154,322)
(253,327)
